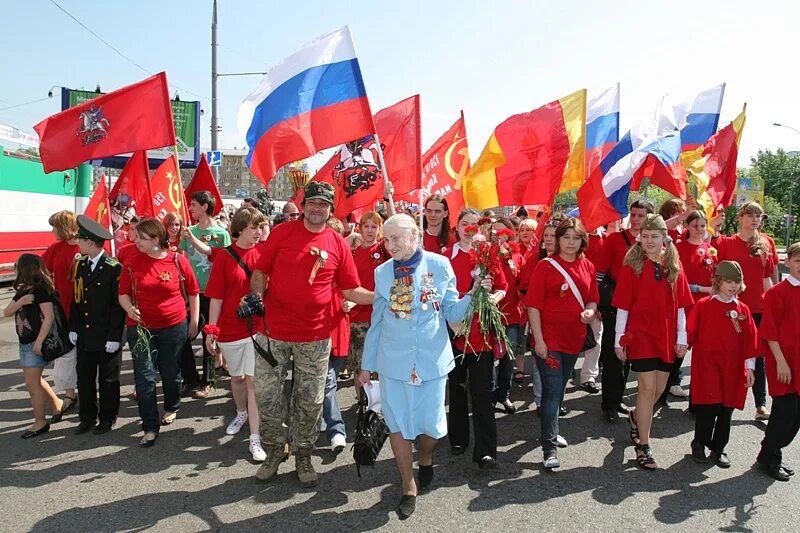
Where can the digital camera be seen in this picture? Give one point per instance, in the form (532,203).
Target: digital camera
(251,305)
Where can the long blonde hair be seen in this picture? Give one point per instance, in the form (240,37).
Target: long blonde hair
(670,260)
(756,242)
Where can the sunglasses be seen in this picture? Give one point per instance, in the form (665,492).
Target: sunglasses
(293,215)
(658,271)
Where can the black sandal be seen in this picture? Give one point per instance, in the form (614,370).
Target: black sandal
(65,408)
(634,427)
(644,457)
(519,376)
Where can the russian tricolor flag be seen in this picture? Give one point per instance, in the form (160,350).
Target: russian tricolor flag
(651,149)
(698,117)
(602,126)
(314,99)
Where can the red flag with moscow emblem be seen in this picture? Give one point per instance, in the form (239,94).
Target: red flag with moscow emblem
(136,117)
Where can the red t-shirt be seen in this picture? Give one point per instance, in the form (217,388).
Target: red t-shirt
(781,322)
(560,311)
(594,252)
(719,351)
(430,243)
(773,252)
(340,333)
(158,289)
(652,328)
(698,264)
(367,259)
(511,305)
(463,265)
(175,246)
(753,267)
(59,258)
(229,283)
(614,251)
(126,252)
(529,263)
(299,311)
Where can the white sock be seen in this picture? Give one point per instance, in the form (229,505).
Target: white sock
(241,413)
(255,437)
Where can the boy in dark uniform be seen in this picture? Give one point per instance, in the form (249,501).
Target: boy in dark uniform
(96,324)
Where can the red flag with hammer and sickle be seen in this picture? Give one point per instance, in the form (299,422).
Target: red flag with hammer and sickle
(167,191)
(99,209)
(443,167)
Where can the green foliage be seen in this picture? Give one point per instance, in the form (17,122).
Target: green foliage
(781,174)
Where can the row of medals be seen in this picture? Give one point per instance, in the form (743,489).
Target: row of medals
(401,295)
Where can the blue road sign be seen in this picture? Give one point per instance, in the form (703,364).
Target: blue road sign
(214,158)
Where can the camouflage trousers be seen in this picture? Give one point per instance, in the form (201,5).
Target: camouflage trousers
(292,415)
(358,332)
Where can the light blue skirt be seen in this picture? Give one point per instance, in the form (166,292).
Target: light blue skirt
(414,410)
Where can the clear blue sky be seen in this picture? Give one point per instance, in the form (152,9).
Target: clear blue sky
(492,59)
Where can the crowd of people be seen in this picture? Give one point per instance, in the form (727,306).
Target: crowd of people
(385,301)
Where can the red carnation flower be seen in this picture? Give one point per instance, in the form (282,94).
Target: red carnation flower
(472,229)
(486,220)
(505,232)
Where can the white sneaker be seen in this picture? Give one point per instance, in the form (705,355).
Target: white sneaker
(237,423)
(561,442)
(678,392)
(257,451)
(338,442)
(551,461)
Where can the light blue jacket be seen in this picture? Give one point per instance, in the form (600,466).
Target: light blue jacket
(394,346)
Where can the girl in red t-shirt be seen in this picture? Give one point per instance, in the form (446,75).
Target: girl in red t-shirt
(751,250)
(367,257)
(526,235)
(723,337)
(698,259)
(174,225)
(230,336)
(475,365)
(153,290)
(558,318)
(651,298)
(59,258)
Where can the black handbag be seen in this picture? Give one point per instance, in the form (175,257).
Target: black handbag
(608,285)
(57,342)
(371,433)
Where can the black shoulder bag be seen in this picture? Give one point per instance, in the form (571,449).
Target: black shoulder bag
(260,341)
(57,342)
(608,285)
(371,433)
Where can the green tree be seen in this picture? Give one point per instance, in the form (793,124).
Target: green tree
(781,173)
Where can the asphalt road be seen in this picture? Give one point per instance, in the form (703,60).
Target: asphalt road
(198,479)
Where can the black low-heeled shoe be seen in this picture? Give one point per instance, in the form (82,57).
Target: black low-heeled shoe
(31,434)
(458,450)
(406,506)
(425,477)
(148,443)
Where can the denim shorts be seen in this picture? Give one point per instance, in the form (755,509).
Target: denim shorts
(28,359)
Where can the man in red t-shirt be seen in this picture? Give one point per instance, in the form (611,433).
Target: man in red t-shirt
(302,259)
(615,247)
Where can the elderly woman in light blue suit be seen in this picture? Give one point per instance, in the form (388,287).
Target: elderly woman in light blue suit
(408,346)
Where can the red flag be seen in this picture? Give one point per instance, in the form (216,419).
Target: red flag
(136,117)
(99,209)
(444,165)
(354,170)
(167,191)
(129,197)
(203,180)
(399,132)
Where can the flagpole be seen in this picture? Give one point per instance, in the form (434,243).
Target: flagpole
(149,190)
(184,210)
(383,163)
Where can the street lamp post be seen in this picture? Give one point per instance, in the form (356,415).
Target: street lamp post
(791,189)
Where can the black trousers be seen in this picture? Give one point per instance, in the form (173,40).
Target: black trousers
(783,425)
(473,372)
(189,366)
(187,360)
(712,426)
(615,372)
(98,367)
